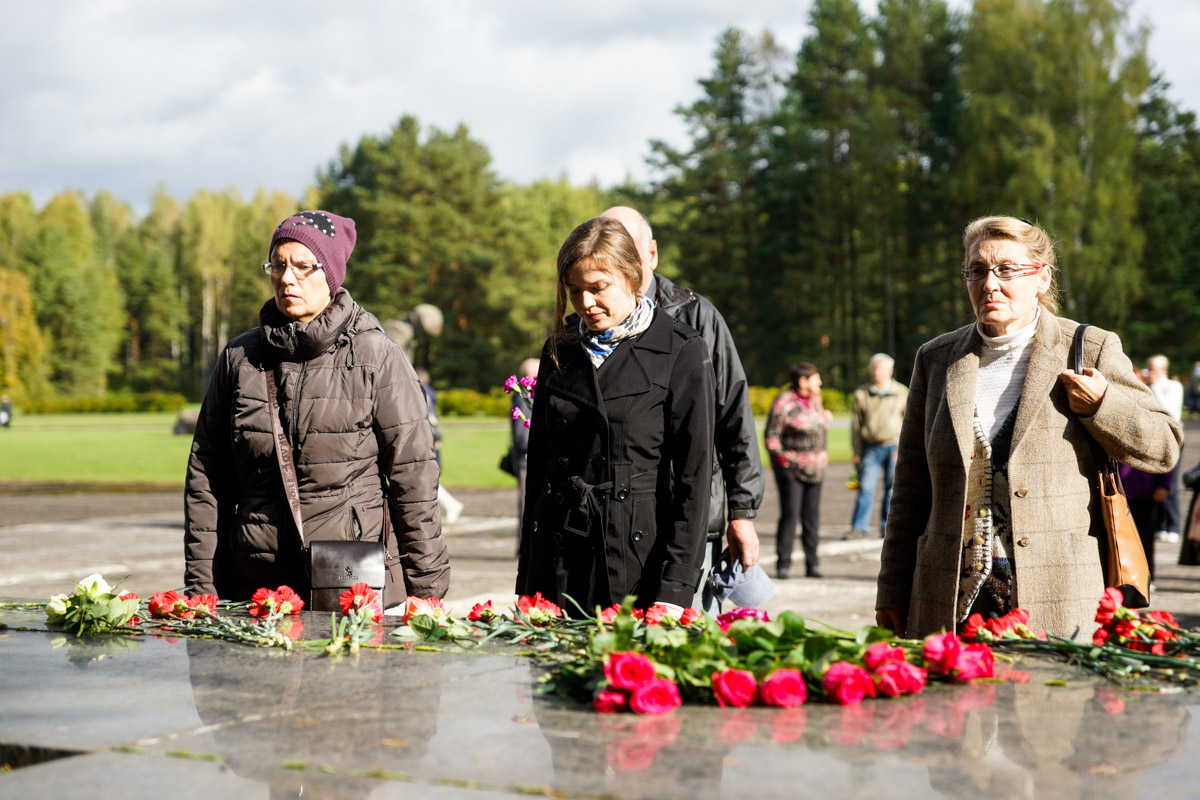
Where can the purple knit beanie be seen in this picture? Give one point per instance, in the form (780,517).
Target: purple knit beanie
(330,237)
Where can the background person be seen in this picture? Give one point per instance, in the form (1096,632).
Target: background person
(1170,393)
(450,505)
(520,441)
(876,413)
(993,505)
(737,479)
(620,445)
(795,438)
(356,419)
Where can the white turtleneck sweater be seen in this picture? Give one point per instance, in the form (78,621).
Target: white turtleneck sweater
(1002,367)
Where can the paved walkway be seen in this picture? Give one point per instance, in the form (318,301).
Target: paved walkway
(50,539)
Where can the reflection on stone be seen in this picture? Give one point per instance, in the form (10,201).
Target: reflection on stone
(83,651)
(328,723)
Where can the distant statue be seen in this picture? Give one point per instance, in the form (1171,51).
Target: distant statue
(414,332)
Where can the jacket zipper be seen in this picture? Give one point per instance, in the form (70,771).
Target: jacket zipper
(299,389)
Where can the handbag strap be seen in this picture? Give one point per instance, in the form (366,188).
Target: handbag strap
(283,453)
(1104,462)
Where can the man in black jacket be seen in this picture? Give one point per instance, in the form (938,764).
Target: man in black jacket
(737,471)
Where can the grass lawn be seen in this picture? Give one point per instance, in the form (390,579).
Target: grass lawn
(140,448)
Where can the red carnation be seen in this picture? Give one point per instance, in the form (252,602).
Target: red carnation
(1110,601)
(162,604)
(204,602)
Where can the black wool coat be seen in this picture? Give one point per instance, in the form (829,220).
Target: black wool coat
(620,461)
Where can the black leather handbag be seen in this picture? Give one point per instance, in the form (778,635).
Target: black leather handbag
(333,566)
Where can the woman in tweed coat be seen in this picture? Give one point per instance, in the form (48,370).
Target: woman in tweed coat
(993,505)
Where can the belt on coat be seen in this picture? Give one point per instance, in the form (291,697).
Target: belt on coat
(588,505)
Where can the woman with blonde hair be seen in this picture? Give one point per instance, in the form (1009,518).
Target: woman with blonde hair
(994,504)
(620,439)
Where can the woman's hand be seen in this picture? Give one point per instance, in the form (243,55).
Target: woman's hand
(891,619)
(1084,392)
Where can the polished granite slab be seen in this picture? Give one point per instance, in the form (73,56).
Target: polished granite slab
(195,718)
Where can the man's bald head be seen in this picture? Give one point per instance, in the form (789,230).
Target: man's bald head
(639,228)
(528,368)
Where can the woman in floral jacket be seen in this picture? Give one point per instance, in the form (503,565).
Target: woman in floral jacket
(795,438)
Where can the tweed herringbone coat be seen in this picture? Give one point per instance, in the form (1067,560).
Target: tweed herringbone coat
(1057,530)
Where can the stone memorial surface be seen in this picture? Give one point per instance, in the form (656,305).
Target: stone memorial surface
(152,717)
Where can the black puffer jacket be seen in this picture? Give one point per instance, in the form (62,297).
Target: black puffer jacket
(737,463)
(354,414)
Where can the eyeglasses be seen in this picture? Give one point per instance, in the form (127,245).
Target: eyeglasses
(1004,272)
(301,271)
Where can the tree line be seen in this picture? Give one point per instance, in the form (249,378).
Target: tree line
(819,201)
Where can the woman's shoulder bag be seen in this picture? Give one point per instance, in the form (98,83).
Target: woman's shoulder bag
(1125,566)
(333,566)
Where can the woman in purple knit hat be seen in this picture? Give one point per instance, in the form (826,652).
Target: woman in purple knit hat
(352,411)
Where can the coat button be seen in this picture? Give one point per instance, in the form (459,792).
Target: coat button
(1023,541)
(560,423)
(558,497)
(548,489)
(1022,492)
(535,527)
(557,537)
(563,461)
(637,536)
(622,494)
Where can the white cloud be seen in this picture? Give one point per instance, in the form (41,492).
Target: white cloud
(127,94)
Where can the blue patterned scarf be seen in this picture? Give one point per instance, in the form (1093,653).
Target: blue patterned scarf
(599,344)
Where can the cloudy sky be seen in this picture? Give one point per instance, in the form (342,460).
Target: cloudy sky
(125,95)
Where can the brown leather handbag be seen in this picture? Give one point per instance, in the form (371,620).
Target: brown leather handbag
(333,566)
(1126,567)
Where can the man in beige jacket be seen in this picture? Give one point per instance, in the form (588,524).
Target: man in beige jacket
(878,409)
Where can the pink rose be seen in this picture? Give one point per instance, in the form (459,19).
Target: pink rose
(628,670)
(734,687)
(941,652)
(609,701)
(784,688)
(658,696)
(847,684)
(881,652)
(895,678)
(974,661)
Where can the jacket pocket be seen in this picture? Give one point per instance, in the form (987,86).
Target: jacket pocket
(643,528)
